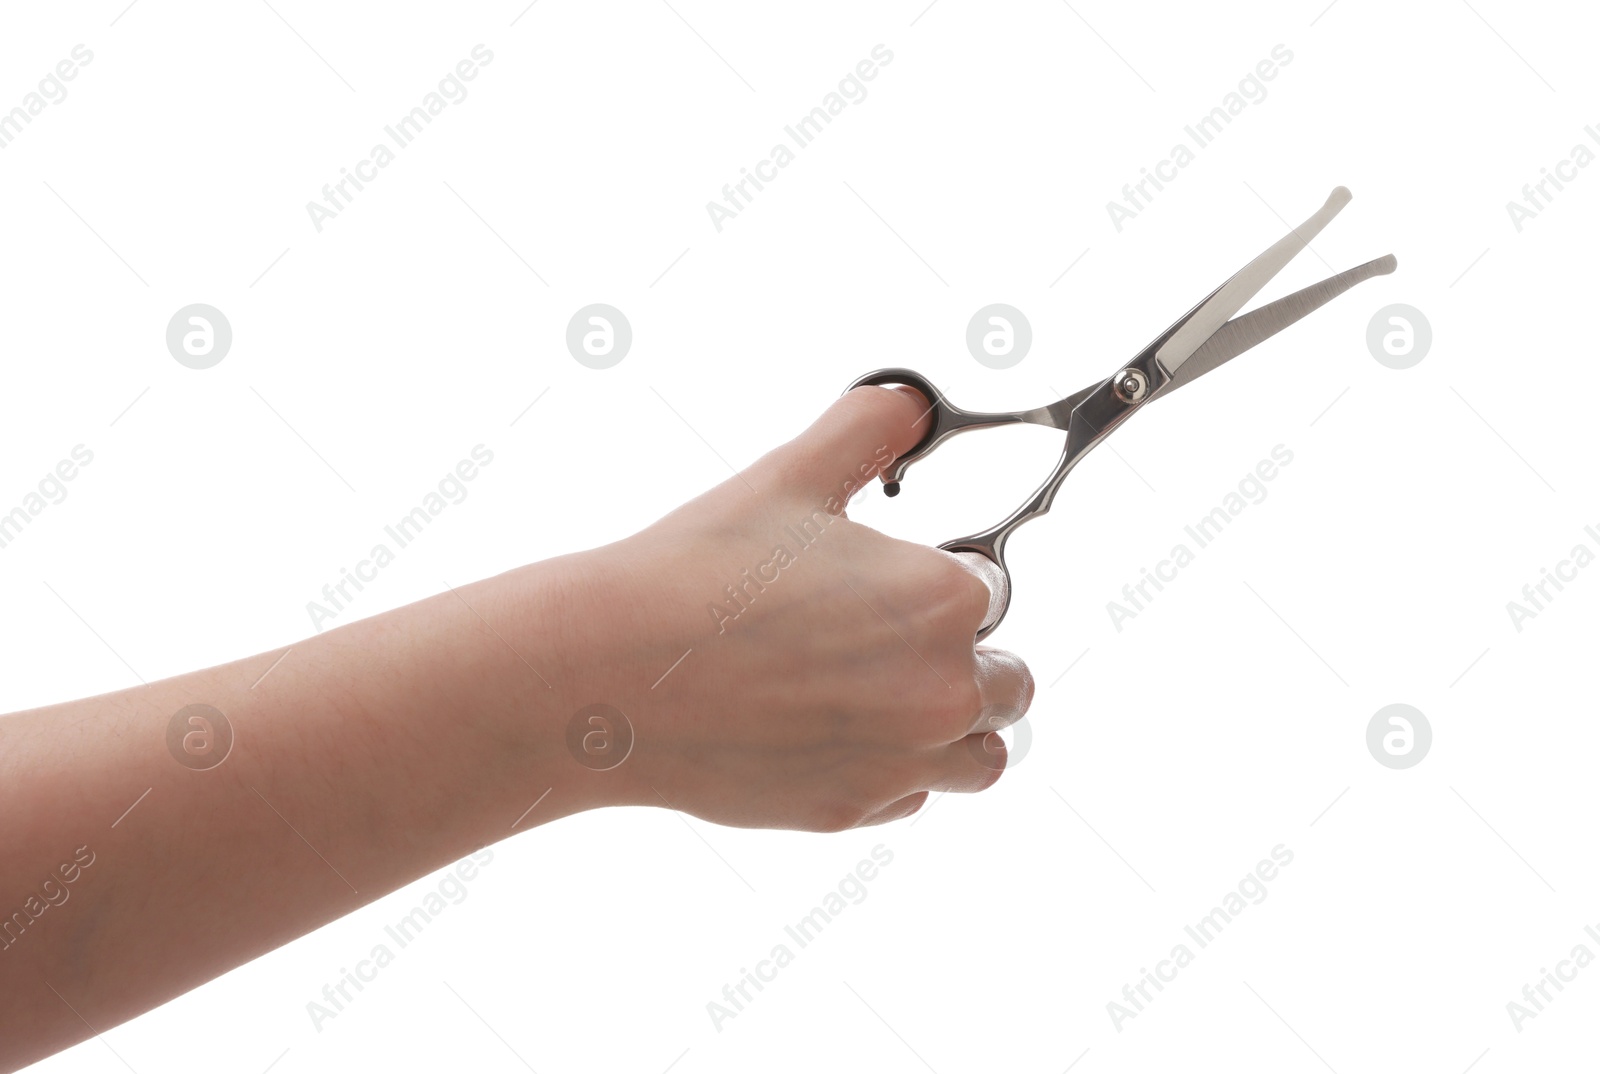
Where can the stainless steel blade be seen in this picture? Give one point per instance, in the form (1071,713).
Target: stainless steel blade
(1244,332)
(1243,285)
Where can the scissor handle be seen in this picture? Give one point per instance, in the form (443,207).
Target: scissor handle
(999,592)
(947,420)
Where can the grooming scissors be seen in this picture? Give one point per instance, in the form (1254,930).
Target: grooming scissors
(1200,341)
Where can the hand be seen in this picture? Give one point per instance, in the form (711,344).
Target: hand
(831,679)
(781,666)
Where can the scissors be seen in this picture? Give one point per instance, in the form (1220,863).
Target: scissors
(1198,342)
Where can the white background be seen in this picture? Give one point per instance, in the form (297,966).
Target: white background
(1227,718)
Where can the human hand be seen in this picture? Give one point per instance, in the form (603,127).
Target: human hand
(831,678)
(781,666)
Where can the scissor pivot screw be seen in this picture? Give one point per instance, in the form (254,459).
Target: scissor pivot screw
(1130,385)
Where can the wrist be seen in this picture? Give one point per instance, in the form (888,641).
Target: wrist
(559,670)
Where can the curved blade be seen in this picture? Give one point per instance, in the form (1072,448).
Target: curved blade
(1242,286)
(1242,333)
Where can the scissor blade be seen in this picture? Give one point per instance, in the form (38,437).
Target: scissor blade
(1230,298)
(1244,332)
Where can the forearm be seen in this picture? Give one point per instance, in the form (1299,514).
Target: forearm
(754,658)
(368,756)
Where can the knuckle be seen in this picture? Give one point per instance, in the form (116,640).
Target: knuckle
(1028,687)
(954,595)
(1010,683)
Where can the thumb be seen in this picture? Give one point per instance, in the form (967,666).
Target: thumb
(854,441)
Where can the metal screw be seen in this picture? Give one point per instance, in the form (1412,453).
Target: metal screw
(1130,385)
